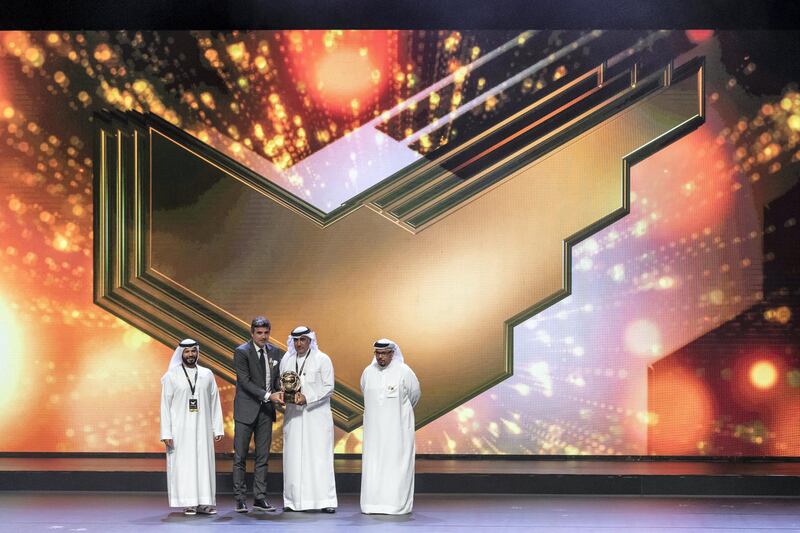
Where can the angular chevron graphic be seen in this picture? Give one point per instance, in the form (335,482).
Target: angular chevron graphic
(445,256)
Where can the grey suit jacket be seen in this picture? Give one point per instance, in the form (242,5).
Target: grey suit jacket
(250,380)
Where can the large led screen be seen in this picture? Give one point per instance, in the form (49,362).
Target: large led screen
(586,242)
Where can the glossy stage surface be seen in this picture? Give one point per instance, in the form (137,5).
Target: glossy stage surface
(138,512)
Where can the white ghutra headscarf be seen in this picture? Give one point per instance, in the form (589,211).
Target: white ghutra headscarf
(177,355)
(388,344)
(301,331)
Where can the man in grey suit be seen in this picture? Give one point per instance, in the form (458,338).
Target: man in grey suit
(257,393)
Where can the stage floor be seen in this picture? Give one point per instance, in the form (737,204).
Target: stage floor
(137,512)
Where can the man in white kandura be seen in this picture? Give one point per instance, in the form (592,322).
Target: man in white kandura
(308,481)
(391,390)
(191,421)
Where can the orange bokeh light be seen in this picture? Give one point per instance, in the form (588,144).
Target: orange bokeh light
(785,421)
(683,409)
(345,75)
(344,72)
(698,36)
(763,374)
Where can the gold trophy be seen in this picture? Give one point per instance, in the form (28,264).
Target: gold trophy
(290,384)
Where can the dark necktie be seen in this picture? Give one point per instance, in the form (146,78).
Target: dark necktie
(261,360)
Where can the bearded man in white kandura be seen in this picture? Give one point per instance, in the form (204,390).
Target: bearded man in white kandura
(191,421)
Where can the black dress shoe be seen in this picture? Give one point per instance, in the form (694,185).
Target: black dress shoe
(241,506)
(262,505)
(329,510)
(288,510)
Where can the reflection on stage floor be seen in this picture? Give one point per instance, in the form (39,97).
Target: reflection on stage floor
(137,513)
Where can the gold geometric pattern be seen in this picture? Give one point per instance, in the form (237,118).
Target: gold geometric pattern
(445,257)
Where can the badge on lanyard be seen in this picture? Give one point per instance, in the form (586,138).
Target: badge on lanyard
(193,388)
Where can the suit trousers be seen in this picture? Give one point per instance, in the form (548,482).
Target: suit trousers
(261,428)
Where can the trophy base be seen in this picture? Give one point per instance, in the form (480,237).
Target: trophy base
(289,397)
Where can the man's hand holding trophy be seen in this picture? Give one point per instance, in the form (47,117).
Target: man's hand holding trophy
(290,384)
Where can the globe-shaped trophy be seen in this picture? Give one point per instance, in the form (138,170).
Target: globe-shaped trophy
(290,383)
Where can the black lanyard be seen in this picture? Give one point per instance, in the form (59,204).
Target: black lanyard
(191,387)
(304,363)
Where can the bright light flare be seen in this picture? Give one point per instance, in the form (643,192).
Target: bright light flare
(11,357)
(643,338)
(763,375)
(345,73)
(699,36)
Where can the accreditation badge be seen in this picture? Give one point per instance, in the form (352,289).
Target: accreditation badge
(192,405)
